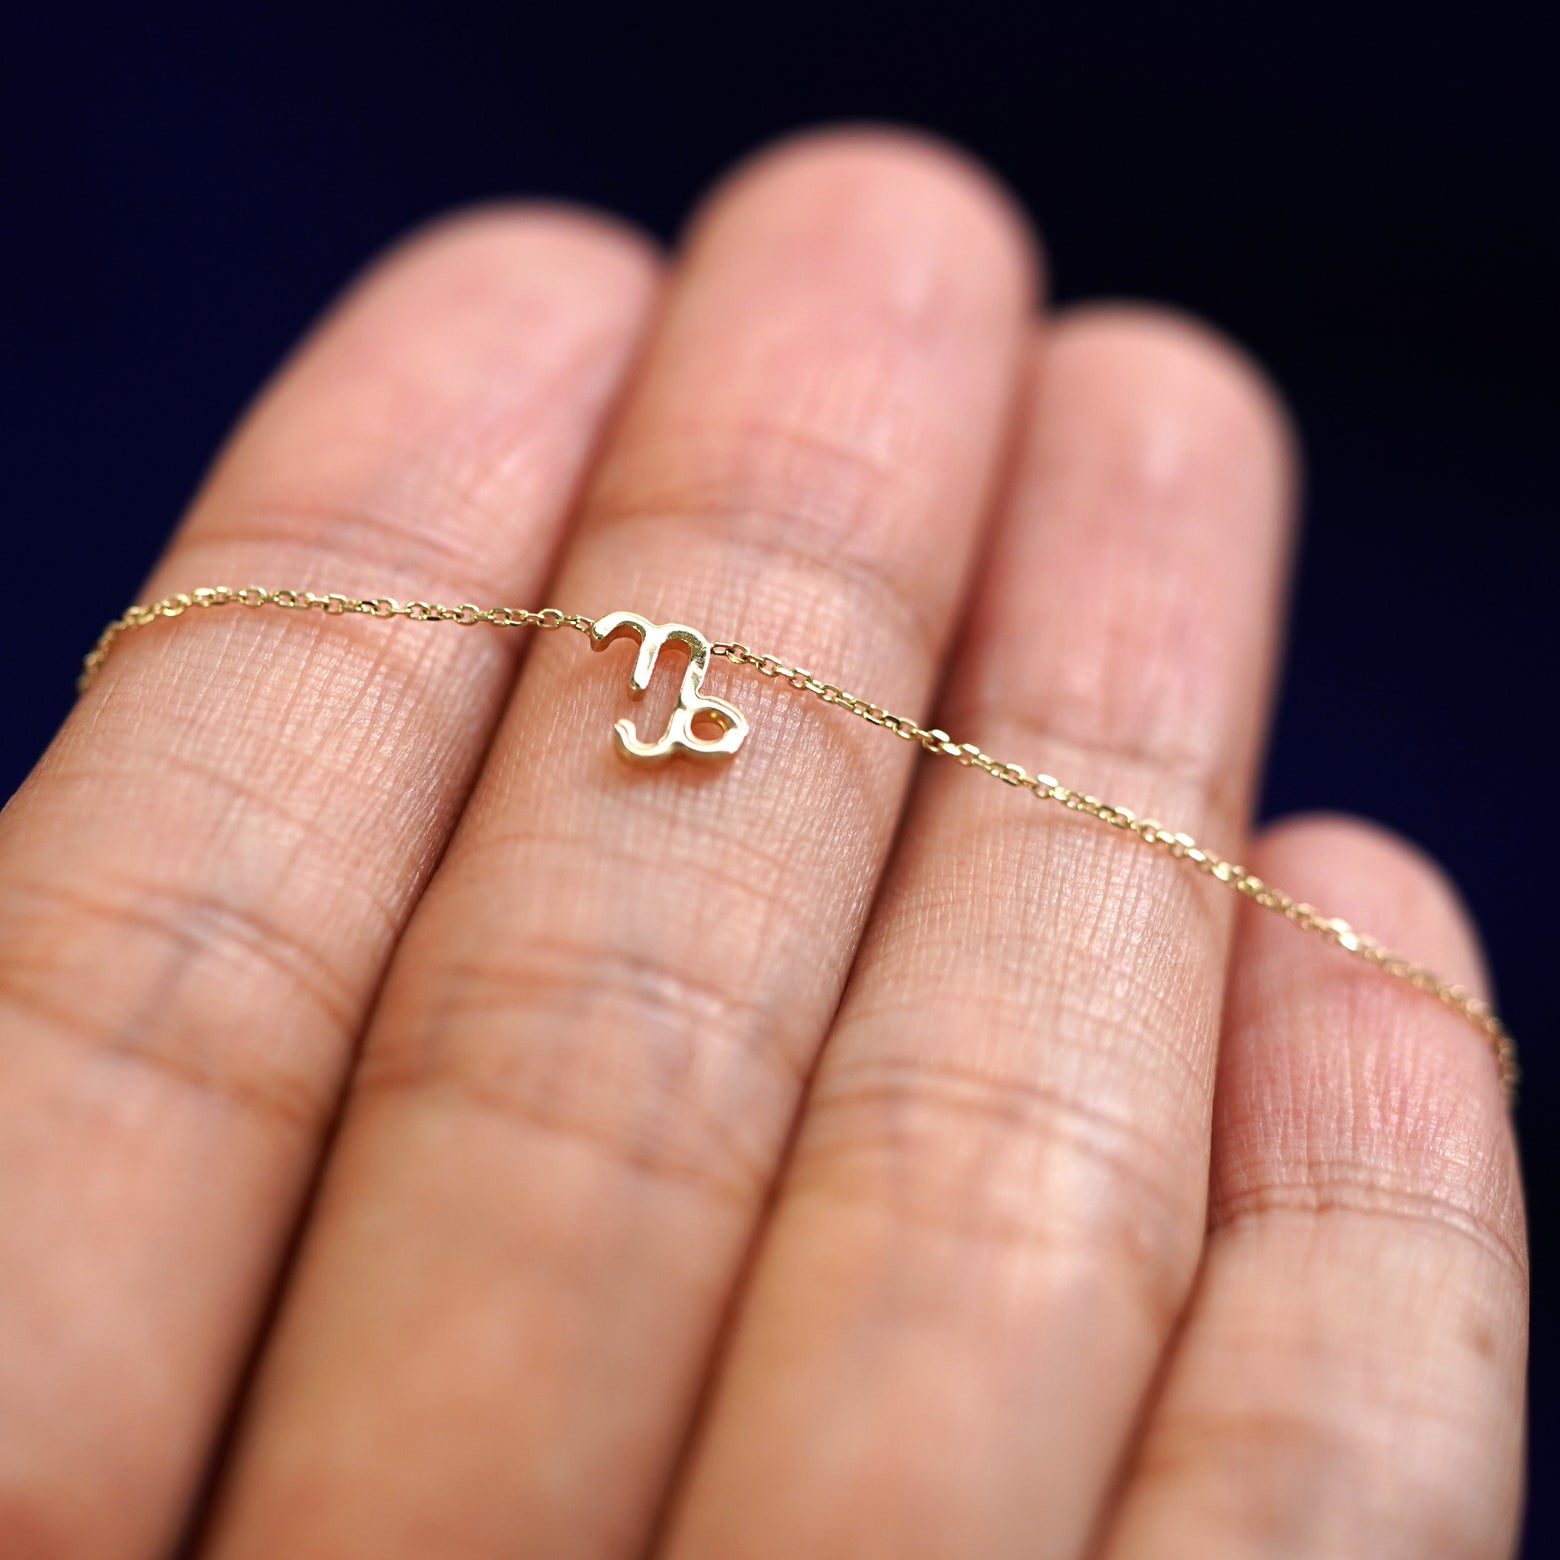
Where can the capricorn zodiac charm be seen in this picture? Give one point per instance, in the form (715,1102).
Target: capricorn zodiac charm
(694,709)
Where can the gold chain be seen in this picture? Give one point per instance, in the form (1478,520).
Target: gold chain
(1045,787)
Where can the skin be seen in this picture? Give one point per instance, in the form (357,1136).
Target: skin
(423,1134)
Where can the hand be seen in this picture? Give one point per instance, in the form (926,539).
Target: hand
(814,1154)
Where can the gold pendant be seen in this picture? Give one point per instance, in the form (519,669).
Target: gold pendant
(694,708)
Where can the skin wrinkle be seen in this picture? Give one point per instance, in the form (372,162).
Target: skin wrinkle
(1063,995)
(903,1116)
(824,501)
(645,1158)
(247,801)
(791,540)
(1137,900)
(1410,1095)
(1413,1128)
(143,1036)
(319,704)
(1138,1009)
(1332,1189)
(1106,895)
(1416,1276)
(197,922)
(394,688)
(130,1044)
(368,688)
(348,536)
(1407,1162)
(645,987)
(1077,1019)
(847,430)
(642,986)
(498,471)
(1156,648)
(1131,1265)
(806,452)
(754,881)
(697,1150)
(133,788)
(394,531)
(455,395)
(686,1038)
(192,924)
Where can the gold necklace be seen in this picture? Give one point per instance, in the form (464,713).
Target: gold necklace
(710,729)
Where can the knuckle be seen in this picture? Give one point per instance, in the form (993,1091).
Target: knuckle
(767,474)
(300,533)
(1438,1158)
(984,1159)
(1364,1095)
(192,1042)
(644,1095)
(799,503)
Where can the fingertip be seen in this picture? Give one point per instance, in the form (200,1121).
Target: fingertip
(1221,387)
(490,247)
(1337,1058)
(1381,882)
(912,173)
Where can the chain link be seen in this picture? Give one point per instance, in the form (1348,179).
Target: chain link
(466,615)
(1150,831)
(1045,787)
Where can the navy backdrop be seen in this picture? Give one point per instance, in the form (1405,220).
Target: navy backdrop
(1364,194)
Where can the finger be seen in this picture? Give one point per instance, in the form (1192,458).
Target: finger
(590,1052)
(202,882)
(1349,1381)
(995,1202)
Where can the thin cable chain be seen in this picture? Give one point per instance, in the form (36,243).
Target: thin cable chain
(931,738)
(466,615)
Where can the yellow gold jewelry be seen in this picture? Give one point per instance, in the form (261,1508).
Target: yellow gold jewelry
(710,729)
(694,709)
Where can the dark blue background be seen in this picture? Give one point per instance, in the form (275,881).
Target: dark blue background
(1365,195)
